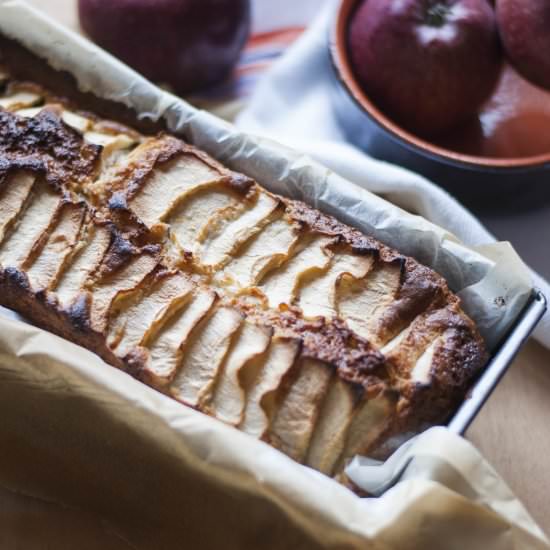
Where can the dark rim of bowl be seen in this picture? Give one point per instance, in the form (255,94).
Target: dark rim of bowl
(338,50)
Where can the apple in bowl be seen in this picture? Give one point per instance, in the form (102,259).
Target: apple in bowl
(428,64)
(187,44)
(525,32)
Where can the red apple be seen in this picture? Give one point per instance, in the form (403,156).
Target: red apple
(188,44)
(428,64)
(525,31)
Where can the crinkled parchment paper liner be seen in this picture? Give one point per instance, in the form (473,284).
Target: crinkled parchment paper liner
(75,430)
(78,431)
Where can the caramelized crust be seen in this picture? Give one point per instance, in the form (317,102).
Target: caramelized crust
(251,307)
(42,144)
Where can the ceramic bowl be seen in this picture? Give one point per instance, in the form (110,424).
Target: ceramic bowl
(489,165)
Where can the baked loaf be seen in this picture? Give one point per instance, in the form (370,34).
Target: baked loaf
(250,307)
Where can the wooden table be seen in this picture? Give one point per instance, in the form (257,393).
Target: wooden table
(511,431)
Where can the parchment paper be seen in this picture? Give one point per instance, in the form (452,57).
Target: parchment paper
(77,431)
(71,425)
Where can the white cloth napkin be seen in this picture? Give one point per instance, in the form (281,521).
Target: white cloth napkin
(292,104)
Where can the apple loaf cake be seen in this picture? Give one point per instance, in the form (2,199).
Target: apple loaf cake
(250,307)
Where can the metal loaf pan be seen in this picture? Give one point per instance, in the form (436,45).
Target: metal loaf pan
(499,362)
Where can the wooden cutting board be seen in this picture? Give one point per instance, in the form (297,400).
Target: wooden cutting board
(512,432)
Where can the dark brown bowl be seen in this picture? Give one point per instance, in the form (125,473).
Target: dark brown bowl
(479,180)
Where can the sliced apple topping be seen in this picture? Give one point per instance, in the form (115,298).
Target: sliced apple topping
(412,345)
(77,122)
(193,217)
(229,397)
(267,250)
(247,306)
(330,433)
(203,356)
(219,247)
(261,395)
(147,311)
(83,263)
(46,267)
(109,142)
(115,285)
(370,420)
(168,185)
(421,372)
(318,293)
(14,191)
(32,223)
(166,347)
(295,420)
(362,302)
(312,256)
(29,112)
(19,100)
(396,341)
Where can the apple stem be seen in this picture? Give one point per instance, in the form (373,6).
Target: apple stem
(436,15)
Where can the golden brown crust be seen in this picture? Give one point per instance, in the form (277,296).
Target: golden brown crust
(327,225)
(42,310)
(332,342)
(45,145)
